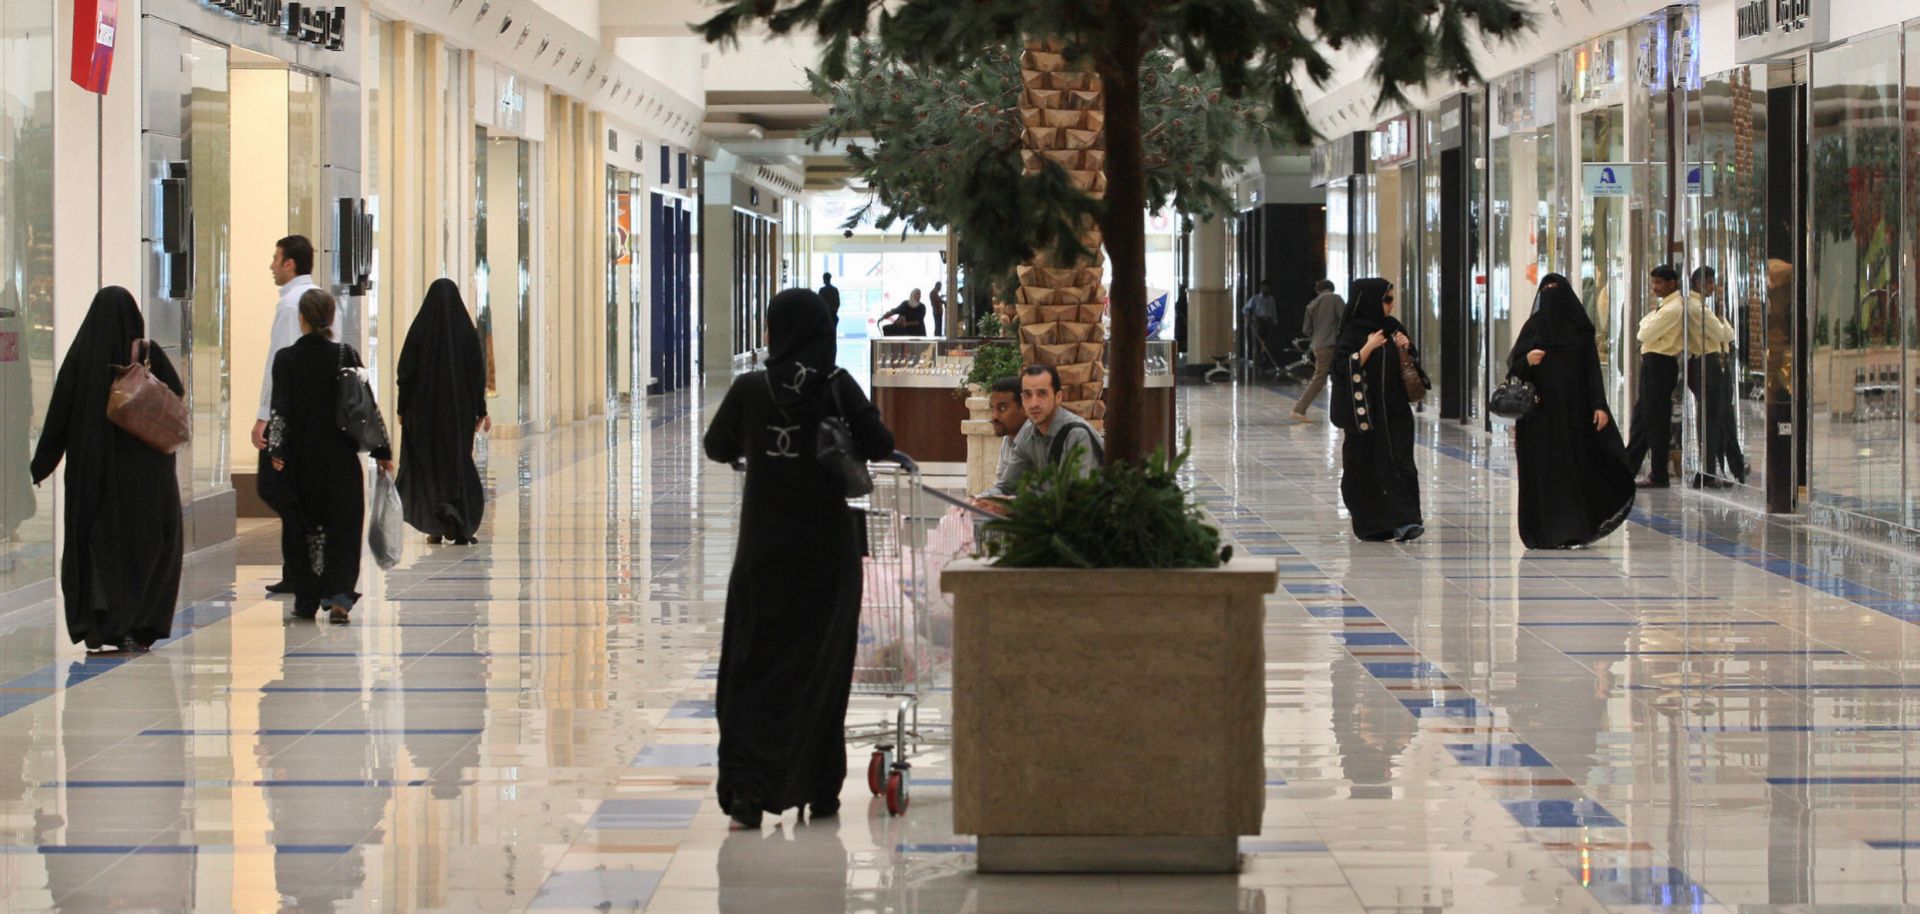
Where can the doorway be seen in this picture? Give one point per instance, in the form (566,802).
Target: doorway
(273,154)
(226,117)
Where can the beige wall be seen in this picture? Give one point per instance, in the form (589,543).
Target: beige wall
(258,168)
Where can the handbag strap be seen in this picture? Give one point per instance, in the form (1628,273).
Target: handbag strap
(833,390)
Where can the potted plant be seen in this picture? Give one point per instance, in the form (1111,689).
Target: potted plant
(1109,679)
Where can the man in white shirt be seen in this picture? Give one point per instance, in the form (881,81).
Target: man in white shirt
(292,268)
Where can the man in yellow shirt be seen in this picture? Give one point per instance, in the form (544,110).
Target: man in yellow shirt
(1710,376)
(1679,326)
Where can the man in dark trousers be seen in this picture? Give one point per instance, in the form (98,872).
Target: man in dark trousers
(1663,344)
(830,294)
(1322,328)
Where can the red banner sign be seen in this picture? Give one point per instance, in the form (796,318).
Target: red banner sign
(94,25)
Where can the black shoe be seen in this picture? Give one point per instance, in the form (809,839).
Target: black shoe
(305,612)
(823,809)
(1409,533)
(433,539)
(278,588)
(1652,484)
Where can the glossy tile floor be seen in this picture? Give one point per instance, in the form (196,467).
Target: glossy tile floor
(1708,712)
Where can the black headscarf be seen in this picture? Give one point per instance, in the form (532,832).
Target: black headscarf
(1366,312)
(801,345)
(441,357)
(1559,319)
(105,338)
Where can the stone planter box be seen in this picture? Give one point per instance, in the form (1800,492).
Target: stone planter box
(1109,720)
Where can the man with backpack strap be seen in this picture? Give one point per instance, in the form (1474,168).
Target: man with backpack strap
(1049,437)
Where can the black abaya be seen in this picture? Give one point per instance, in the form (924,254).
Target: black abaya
(324,471)
(442,398)
(1379,482)
(1575,484)
(793,600)
(120,569)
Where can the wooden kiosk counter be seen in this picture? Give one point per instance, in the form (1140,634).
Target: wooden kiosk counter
(916,385)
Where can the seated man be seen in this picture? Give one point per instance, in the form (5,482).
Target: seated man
(1003,410)
(1050,435)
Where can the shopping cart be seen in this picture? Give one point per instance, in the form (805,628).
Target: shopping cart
(906,625)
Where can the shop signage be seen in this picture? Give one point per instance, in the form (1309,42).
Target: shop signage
(1392,142)
(1700,180)
(1607,179)
(1339,158)
(95,24)
(1768,29)
(322,27)
(623,228)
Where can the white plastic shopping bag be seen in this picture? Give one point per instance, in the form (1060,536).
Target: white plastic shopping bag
(384,533)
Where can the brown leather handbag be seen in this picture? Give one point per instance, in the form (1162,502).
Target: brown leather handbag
(1410,376)
(145,407)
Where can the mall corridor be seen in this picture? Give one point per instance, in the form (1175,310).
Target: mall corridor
(1708,711)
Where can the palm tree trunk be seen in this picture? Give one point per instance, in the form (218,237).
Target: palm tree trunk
(1061,304)
(1124,225)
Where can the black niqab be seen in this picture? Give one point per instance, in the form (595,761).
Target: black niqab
(120,566)
(1558,318)
(442,396)
(801,345)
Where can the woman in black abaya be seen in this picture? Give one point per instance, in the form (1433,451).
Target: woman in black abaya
(320,463)
(120,570)
(1379,483)
(1575,485)
(793,600)
(442,378)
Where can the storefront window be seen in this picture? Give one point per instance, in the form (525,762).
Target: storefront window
(1725,203)
(1858,395)
(1520,157)
(1595,77)
(26,289)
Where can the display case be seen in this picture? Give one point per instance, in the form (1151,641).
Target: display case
(916,386)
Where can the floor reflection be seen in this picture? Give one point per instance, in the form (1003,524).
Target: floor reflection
(1711,711)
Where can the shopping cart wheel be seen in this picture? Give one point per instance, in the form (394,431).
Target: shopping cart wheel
(897,790)
(877,766)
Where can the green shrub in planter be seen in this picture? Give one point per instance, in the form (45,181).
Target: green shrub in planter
(993,361)
(1128,514)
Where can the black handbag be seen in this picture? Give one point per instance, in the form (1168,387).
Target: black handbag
(356,412)
(833,447)
(1515,399)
